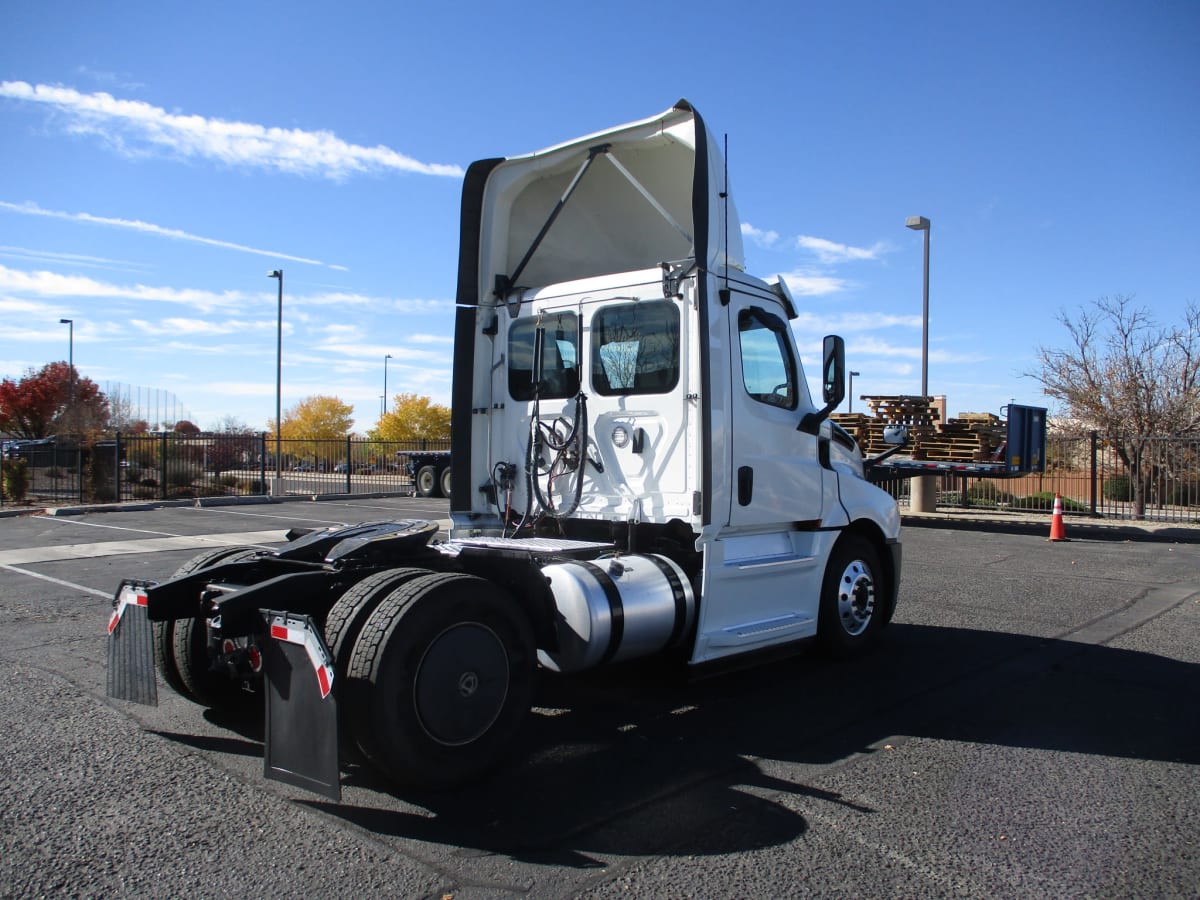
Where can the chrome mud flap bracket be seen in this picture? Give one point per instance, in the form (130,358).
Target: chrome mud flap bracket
(301,709)
(131,646)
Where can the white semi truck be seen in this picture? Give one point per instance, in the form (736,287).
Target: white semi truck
(639,469)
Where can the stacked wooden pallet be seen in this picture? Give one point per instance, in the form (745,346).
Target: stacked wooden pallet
(970,437)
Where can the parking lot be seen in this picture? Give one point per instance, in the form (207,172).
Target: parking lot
(1027,728)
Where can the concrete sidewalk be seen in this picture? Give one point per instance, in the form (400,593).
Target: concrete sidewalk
(1076,527)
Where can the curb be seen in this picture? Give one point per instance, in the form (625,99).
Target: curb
(1088,529)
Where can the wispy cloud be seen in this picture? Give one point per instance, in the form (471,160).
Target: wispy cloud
(852,322)
(52,284)
(813,284)
(136,126)
(831,253)
(760,237)
(75,259)
(183,327)
(32,209)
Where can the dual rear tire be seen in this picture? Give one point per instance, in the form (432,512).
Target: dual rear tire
(181,645)
(440,679)
(432,481)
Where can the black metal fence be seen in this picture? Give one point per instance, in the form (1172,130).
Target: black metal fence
(170,466)
(1160,481)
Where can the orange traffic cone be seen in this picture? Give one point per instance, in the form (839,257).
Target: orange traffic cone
(1057,531)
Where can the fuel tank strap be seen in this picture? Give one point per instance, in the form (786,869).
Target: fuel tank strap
(678,594)
(615,607)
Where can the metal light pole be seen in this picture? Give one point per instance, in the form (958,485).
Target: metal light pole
(70,323)
(852,374)
(920,223)
(278,274)
(385,401)
(923,493)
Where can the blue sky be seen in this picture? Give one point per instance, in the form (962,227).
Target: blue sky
(157,159)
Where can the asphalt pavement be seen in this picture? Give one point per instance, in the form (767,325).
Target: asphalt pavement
(1027,728)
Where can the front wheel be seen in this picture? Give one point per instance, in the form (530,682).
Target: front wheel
(851,598)
(445,666)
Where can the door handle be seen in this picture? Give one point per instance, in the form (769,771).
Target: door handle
(745,485)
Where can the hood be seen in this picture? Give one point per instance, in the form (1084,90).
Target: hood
(619,200)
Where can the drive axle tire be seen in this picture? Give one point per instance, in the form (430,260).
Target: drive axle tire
(189,645)
(446,665)
(426,481)
(852,598)
(351,610)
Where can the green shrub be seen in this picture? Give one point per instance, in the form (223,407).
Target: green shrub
(1118,488)
(987,493)
(15,474)
(182,476)
(1044,500)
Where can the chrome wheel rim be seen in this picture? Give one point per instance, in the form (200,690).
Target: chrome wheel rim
(856,597)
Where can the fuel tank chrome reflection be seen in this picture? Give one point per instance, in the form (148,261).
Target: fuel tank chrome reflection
(617,609)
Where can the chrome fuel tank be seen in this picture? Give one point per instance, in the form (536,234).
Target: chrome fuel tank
(617,609)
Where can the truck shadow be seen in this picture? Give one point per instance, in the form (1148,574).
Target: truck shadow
(631,760)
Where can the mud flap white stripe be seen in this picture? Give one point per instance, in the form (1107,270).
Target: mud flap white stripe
(130,673)
(301,710)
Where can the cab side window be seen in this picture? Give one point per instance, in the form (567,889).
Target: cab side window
(560,357)
(635,348)
(768,367)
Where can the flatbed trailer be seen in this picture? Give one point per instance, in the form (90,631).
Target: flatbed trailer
(1022,451)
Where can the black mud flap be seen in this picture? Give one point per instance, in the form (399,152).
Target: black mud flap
(301,717)
(131,646)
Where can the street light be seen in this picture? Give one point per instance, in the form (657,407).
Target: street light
(385,402)
(923,491)
(278,274)
(920,223)
(70,323)
(852,375)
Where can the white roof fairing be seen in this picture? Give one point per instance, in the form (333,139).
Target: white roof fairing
(607,224)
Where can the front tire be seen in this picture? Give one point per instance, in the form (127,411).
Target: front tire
(852,598)
(445,668)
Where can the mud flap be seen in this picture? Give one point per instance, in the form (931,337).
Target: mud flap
(301,710)
(131,647)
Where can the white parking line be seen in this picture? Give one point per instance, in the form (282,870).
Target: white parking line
(149,545)
(107,595)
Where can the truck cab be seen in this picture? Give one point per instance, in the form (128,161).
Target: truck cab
(620,376)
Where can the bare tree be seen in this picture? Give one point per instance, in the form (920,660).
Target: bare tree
(1128,377)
